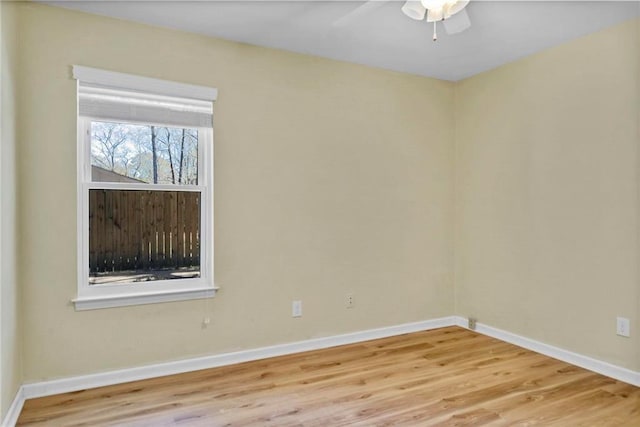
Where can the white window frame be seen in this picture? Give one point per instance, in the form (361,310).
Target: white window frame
(123,294)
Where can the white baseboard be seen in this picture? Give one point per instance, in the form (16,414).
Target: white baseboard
(64,385)
(11,418)
(604,368)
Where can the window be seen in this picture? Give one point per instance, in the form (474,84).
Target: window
(145,190)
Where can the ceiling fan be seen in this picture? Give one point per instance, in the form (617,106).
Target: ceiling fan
(451,13)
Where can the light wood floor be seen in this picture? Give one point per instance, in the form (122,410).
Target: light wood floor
(449,376)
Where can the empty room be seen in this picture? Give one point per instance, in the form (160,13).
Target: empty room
(320,213)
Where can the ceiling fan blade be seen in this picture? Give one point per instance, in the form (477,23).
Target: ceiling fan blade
(457,23)
(359,11)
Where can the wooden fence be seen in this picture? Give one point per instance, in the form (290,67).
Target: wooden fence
(143,230)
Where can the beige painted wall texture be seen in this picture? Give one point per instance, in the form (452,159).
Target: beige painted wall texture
(637,325)
(329,178)
(547,195)
(334,178)
(10,344)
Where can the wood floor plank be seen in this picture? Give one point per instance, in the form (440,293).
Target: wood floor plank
(444,377)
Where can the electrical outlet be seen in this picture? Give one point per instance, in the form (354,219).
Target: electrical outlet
(472,323)
(350,301)
(622,327)
(296,309)
(205,322)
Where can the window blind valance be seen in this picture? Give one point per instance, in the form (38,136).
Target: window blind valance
(128,106)
(110,96)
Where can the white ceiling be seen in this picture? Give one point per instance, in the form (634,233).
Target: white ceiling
(501,32)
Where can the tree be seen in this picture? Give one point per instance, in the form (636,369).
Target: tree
(168,149)
(154,152)
(159,155)
(184,131)
(109,150)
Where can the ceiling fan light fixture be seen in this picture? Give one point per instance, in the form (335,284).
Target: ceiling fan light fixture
(443,9)
(434,15)
(435,4)
(414,10)
(456,6)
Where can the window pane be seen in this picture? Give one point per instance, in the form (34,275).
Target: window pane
(122,152)
(139,236)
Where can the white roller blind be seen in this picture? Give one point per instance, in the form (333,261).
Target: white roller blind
(118,97)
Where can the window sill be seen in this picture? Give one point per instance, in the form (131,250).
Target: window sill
(122,300)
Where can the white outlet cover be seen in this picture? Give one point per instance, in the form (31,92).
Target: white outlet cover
(296,309)
(351,301)
(623,327)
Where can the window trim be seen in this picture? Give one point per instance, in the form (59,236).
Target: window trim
(143,84)
(116,295)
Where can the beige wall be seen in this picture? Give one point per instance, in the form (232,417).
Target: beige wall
(547,195)
(330,178)
(334,178)
(10,344)
(637,54)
